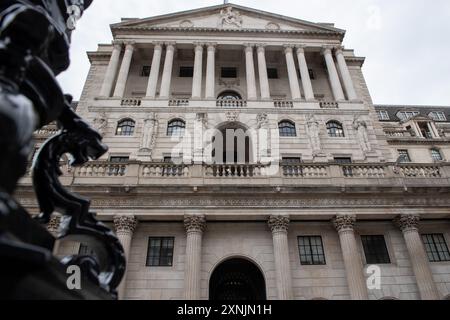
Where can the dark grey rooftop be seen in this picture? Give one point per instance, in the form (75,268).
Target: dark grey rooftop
(424,110)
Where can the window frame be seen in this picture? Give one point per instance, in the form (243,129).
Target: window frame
(179,130)
(444,242)
(438,116)
(405,152)
(149,261)
(312,262)
(368,255)
(283,125)
(407,115)
(222,69)
(189,74)
(126,123)
(335,129)
(437,151)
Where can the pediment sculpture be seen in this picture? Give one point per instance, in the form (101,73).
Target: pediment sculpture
(228,18)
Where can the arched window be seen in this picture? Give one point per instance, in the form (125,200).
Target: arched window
(176,128)
(125,127)
(335,129)
(287,129)
(229,95)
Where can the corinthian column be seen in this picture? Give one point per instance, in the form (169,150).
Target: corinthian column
(262,68)
(356,280)
(111,71)
(409,225)
(279,226)
(250,70)
(124,70)
(345,73)
(198,72)
(292,73)
(210,92)
(154,71)
(167,72)
(332,73)
(195,225)
(125,226)
(304,72)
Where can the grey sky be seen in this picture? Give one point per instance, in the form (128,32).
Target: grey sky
(406,42)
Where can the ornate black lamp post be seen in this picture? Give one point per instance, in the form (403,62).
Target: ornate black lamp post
(34,49)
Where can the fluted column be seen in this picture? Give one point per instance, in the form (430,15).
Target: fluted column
(167,72)
(124,70)
(111,71)
(210,91)
(304,72)
(250,70)
(198,72)
(279,226)
(262,68)
(53,228)
(292,73)
(154,71)
(354,268)
(333,74)
(409,225)
(195,225)
(125,226)
(345,73)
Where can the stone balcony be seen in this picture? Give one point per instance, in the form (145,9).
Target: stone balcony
(368,176)
(136,102)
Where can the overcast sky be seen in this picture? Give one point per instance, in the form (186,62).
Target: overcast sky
(406,42)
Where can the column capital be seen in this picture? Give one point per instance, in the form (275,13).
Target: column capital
(408,222)
(158,45)
(261,47)
(211,46)
(125,223)
(339,49)
(327,49)
(170,45)
(344,222)
(54,223)
(300,48)
(195,223)
(117,44)
(198,46)
(129,44)
(288,48)
(248,47)
(279,223)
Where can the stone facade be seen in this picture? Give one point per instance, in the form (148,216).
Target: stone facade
(335,175)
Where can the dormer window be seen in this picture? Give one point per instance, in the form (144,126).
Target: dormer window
(437,116)
(383,115)
(405,115)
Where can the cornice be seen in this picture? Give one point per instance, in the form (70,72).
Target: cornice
(219,30)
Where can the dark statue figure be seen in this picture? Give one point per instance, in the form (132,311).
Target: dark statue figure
(34,49)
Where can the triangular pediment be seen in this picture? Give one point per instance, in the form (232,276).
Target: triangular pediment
(228,17)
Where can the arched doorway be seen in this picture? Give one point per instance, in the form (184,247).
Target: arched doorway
(232,144)
(237,279)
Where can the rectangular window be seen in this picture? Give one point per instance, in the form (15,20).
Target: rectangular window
(436,155)
(383,115)
(228,72)
(160,252)
(186,72)
(343,160)
(119,159)
(145,71)
(404,156)
(311,250)
(375,250)
(436,247)
(312,74)
(272,73)
(438,116)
